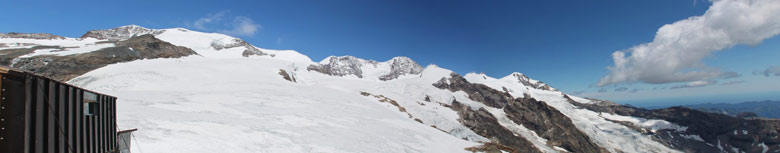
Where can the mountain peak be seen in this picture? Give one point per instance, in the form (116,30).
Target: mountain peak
(120,33)
(517,75)
(401,58)
(525,80)
(131,26)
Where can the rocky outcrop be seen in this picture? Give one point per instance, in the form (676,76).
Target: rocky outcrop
(383,99)
(63,68)
(120,33)
(401,66)
(30,35)
(544,120)
(341,66)
(286,76)
(226,44)
(715,130)
(8,55)
(525,80)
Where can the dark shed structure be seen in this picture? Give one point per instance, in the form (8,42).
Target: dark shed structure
(41,115)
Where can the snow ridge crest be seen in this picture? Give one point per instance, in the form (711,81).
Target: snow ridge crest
(525,80)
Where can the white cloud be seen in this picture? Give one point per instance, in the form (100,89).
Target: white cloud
(771,71)
(241,26)
(211,18)
(676,52)
(238,26)
(701,83)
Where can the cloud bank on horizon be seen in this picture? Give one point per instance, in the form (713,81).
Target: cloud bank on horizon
(677,51)
(771,71)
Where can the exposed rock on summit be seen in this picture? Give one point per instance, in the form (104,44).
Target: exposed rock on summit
(64,68)
(226,44)
(525,80)
(120,33)
(401,66)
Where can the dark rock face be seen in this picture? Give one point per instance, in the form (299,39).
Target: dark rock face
(485,124)
(286,76)
(476,92)
(7,55)
(537,116)
(492,147)
(717,130)
(63,68)
(550,124)
(30,35)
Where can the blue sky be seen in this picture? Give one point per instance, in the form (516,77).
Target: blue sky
(567,44)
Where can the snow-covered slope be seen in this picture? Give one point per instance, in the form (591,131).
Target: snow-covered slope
(232,96)
(236,105)
(197,92)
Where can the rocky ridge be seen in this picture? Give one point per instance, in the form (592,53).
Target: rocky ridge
(30,36)
(544,120)
(120,33)
(350,65)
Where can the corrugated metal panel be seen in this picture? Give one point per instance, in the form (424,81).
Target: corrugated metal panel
(39,115)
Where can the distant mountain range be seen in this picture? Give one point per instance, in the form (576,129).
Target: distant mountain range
(767,109)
